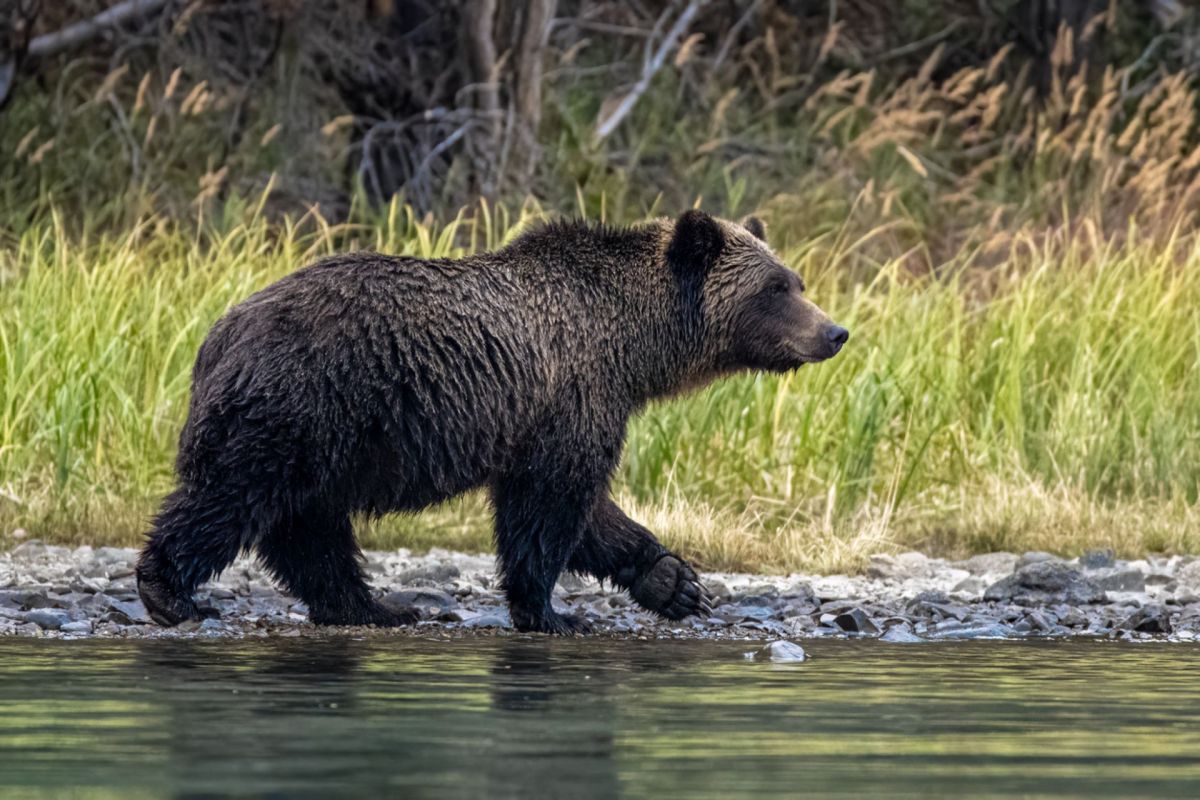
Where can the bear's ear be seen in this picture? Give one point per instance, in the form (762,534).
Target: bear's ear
(756,227)
(696,244)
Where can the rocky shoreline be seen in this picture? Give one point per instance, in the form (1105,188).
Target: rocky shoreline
(51,591)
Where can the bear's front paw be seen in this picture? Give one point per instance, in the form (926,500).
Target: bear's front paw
(549,622)
(375,614)
(671,589)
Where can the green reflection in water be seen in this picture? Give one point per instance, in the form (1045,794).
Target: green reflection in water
(526,717)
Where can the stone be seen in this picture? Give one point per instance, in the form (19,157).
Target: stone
(971,587)
(990,563)
(1035,557)
(1098,559)
(783,652)
(78,626)
(905,566)
(133,610)
(1189,576)
(1045,583)
(47,619)
(1152,618)
(856,621)
(488,621)
(432,573)
(958,630)
(419,600)
(1119,580)
(899,634)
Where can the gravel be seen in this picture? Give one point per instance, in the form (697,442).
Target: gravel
(62,592)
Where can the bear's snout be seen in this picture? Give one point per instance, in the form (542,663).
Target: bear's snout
(837,336)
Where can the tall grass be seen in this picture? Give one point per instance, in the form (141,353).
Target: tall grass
(1050,400)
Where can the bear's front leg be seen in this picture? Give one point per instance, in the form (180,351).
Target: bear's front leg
(614,547)
(537,529)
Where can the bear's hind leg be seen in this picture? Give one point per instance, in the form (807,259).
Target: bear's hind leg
(616,548)
(196,535)
(315,557)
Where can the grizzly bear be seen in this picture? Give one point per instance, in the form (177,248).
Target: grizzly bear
(372,384)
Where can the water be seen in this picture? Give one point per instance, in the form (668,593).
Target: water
(523,717)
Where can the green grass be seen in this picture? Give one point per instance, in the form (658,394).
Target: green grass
(1050,400)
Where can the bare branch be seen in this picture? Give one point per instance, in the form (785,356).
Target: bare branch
(607,124)
(53,43)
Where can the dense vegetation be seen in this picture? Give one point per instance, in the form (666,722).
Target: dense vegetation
(1010,234)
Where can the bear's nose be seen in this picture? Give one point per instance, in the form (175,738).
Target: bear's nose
(837,336)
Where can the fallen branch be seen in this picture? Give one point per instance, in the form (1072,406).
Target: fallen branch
(608,123)
(54,43)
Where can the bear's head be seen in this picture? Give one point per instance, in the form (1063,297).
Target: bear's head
(747,309)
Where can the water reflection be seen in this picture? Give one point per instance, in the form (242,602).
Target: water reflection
(548,718)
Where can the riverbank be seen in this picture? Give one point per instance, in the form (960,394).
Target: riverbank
(55,591)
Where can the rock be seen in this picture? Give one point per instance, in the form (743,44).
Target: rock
(958,630)
(1119,580)
(570,583)
(79,626)
(1045,583)
(756,613)
(783,652)
(1098,559)
(927,598)
(431,574)
(971,587)
(422,601)
(905,566)
(47,619)
(990,563)
(488,621)
(19,533)
(1035,557)
(898,634)
(717,588)
(1152,618)
(856,621)
(133,610)
(1189,576)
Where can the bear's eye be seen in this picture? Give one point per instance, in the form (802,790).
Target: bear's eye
(780,286)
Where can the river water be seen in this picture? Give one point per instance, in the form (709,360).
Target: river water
(537,717)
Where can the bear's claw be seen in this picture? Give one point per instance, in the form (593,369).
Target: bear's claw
(550,622)
(166,607)
(671,589)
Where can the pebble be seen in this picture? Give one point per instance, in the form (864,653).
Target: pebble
(781,652)
(50,591)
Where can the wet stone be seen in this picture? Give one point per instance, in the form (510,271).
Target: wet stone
(958,630)
(1120,580)
(1148,619)
(899,634)
(47,619)
(422,601)
(1045,583)
(431,574)
(781,652)
(856,621)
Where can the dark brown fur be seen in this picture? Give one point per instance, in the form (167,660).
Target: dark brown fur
(370,383)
